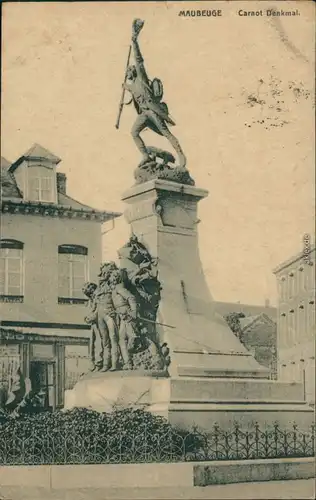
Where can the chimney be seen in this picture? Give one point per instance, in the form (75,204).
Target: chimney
(61,183)
(267,303)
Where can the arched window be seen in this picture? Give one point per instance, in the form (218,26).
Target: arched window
(72,272)
(11,269)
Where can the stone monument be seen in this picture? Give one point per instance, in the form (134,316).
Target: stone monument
(162,346)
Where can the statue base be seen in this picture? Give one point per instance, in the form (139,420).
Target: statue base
(103,391)
(153,170)
(161,165)
(186,402)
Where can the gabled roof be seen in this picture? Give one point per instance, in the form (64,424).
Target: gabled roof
(36,152)
(258,331)
(250,321)
(245,322)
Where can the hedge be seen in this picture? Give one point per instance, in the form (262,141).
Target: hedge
(86,436)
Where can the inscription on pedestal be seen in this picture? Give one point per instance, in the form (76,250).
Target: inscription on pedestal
(178,213)
(140,211)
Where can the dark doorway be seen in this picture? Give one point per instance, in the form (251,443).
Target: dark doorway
(42,375)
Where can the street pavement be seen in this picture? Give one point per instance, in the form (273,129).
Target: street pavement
(272,490)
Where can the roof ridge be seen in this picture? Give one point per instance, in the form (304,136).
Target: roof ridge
(39,151)
(255,319)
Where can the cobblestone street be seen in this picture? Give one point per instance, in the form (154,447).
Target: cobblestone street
(299,489)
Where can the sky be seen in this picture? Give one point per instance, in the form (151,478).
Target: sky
(240,89)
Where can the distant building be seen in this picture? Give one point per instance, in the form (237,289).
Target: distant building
(296,320)
(259,336)
(50,245)
(257,330)
(224,308)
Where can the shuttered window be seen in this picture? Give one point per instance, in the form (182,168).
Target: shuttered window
(11,268)
(40,184)
(72,270)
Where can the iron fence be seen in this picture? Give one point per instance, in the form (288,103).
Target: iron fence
(66,446)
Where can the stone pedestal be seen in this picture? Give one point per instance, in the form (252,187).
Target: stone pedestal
(163,215)
(189,401)
(103,391)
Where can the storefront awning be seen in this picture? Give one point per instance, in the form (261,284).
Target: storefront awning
(61,336)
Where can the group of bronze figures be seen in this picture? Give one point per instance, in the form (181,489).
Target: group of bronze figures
(123,309)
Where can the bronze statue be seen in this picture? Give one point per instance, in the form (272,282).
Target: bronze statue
(96,357)
(105,348)
(126,309)
(147,97)
(107,318)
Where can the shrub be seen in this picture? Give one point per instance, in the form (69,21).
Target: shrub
(86,436)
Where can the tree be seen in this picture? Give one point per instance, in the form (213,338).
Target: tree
(233,320)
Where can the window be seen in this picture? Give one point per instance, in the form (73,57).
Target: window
(310,318)
(72,273)
(291,327)
(41,183)
(301,279)
(283,330)
(291,285)
(311,272)
(11,270)
(300,324)
(282,288)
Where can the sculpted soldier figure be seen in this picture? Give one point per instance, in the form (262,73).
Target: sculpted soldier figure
(147,99)
(142,272)
(106,318)
(126,308)
(92,319)
(105,349)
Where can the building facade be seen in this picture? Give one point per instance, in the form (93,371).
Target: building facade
(50,245)
(296,321)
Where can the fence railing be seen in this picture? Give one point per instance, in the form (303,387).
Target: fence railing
(65,446)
